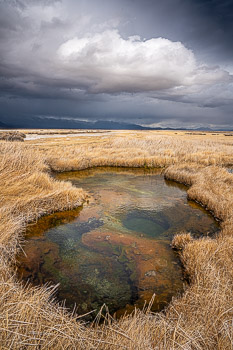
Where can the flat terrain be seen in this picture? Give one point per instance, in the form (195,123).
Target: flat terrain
(199,319)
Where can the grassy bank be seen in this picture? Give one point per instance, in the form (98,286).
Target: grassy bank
(200,319)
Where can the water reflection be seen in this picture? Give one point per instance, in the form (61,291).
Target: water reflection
(116,248)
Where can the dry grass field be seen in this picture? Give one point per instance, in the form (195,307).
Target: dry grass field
(201,318)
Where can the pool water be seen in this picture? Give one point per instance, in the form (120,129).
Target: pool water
(115,250)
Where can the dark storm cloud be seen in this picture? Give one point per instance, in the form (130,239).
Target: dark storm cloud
(215,29)
(203,25)
(132,60)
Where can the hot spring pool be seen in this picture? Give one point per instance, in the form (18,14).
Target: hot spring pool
(116,248)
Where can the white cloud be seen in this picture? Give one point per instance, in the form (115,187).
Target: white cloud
(108,63)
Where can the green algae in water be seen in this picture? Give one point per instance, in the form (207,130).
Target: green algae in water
(116,248)
(143,225)
(147,222)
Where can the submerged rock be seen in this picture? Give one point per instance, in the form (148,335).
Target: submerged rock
(151,273)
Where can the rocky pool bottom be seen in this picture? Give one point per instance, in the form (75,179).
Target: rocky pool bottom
(115,250)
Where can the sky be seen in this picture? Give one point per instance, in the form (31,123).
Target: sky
(155,63)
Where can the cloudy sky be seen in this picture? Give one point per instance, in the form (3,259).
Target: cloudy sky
(151,62)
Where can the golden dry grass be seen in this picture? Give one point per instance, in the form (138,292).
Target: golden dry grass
(199,319)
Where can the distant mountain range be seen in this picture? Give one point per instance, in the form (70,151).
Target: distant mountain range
(49,123)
